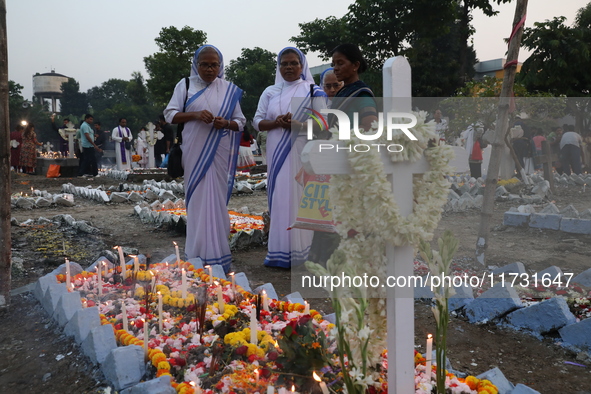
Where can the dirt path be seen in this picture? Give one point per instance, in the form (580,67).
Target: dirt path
(26,332)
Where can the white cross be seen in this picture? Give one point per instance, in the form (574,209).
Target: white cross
(71,133)
(47,146)
(400,300)
(151,161)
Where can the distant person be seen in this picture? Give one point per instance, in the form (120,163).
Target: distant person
(571,152)
(63,145)
(523,147)
(141,147)
(245,156)
(554,140)
(330,84)
(163,145)
(474,145)
(538,138)
(28,157)
(122,137)
(88,165)
(441,126)
(100,139)
(262,143)
(16,143)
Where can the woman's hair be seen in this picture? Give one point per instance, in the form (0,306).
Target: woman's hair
(353,54)
(246,135)
(29,130)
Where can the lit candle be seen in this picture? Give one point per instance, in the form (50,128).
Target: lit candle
(428,356)
(233,284)
(99,271)
(68,274)
(178,255)
(122,262)
(256,377)
(183,283)
(153,279)
(323,386)
(221,302)
(146,336)
(196,388)
(265,301)
(306,308)
(270,390)
(136,264)
(124,315)
(159,312)
(253,326)
(293,388)
(210,269)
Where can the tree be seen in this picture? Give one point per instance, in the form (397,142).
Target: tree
(173,61)
(433,35)
(15,103)
(73,101)
(560,62)
(252,71)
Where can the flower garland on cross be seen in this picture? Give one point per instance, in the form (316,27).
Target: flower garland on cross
(367,228)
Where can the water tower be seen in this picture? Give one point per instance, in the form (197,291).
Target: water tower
(48,86)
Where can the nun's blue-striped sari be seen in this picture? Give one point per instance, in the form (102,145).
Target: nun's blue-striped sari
(209,160)
(286,248)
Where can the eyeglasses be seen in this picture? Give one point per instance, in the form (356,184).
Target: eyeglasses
(286,64)
(205,66)
(332,86)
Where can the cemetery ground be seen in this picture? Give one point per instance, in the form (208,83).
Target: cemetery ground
(37,357)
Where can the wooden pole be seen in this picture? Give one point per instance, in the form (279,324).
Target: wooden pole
(5,241)
(501,127)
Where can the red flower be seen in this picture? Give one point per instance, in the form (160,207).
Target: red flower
(139,323)
(265,373)
(90,303)
(272,356)
(241,351)
(179,361)
(252,358)
(142,309)
(305,319)
(351,233)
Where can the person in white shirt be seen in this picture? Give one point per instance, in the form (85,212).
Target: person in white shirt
(571,152)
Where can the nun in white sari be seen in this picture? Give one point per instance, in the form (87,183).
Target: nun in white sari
(213,120)
(285,141)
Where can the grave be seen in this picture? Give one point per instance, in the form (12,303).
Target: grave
(400,300)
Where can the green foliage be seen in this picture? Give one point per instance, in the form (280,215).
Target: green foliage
(252,71)
(117,98)
(303,349)
(433,35)
(560,62)
(173,60)
(73,101)
(440,264)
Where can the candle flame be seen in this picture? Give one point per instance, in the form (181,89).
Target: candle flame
(192,384)
(152,272)
(256,371)
(429,336)
(264,292)
(174,243)
(231,274)
(276,343)
(316,377)
(159,294)
(293,388)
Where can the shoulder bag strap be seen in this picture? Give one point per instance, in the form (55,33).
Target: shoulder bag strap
(181,126)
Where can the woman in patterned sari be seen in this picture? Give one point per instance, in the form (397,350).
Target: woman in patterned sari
(212,118)
(285,140)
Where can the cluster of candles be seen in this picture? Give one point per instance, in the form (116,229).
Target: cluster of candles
(184,284)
